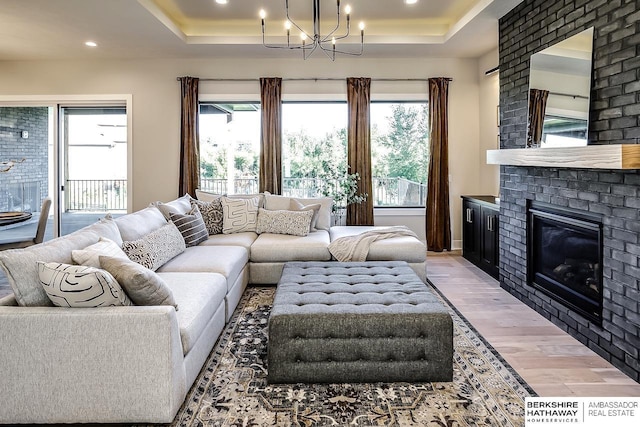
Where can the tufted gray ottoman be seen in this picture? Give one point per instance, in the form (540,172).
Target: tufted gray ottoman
(357,322)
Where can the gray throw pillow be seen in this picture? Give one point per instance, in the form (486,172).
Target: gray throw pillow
(156,248)
(143,286)
(191,226)
(295,223)
(80,286)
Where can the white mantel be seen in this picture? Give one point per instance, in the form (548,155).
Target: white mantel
(615,156)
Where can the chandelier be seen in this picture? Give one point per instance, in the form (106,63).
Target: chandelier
(310,41)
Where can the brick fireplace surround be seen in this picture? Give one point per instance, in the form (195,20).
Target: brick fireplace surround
(614,112)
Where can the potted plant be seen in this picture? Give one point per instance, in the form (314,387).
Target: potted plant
(344,192)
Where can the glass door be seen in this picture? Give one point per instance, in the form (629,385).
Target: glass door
(93,164)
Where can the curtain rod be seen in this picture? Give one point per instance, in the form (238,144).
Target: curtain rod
(310,79)
(568,95)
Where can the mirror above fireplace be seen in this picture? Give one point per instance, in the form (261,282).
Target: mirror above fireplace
(559,89)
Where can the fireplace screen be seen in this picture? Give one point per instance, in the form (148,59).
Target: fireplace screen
(565,261)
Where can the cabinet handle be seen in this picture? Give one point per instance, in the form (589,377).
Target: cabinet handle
(469,215)
(491,224)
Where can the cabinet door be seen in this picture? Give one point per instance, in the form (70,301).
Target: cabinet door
(471,230)
(489,256)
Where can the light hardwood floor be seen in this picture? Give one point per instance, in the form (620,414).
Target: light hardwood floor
(552,362)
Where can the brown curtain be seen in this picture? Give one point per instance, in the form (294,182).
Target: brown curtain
(537,106)
(189,137)
(271,135)
(359,147)
(438,224)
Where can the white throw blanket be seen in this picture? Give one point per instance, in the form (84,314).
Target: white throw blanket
(356,248)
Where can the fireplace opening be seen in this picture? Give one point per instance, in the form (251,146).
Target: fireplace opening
(565,257)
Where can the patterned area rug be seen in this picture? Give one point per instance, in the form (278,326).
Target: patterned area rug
(232,389)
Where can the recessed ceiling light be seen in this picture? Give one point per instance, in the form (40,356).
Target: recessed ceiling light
(91,44)
(222,1)
(411,1)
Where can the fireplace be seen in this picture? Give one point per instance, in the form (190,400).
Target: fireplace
(565,257)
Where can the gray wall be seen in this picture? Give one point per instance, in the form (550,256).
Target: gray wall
(34,149)
(529,28)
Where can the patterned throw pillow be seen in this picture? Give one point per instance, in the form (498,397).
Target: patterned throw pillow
(296,205)
(211,214)
(89,255)
(295,223)
(143,286)
(239,214)
(155,248)
(191,226)
(80,286)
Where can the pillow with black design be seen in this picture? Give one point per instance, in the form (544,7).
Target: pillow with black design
(156,248)
(296,205)
(239,214)
(143,286)
(211,214)
(191,226)
(80,286)
(295,223)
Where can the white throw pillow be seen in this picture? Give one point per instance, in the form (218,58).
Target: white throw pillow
(156,248)
(89,255)
(295,223)
(297,205)
(239,215)
(181,205)
(80,286)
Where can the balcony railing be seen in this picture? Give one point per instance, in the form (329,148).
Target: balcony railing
(95,195)
(386,191)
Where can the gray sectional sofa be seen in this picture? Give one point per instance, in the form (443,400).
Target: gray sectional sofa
(136,363)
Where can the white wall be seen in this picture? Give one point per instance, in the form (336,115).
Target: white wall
(489,182)
(156,103)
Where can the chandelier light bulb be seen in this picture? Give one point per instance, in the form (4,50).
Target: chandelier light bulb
(303,36)
(287,25)
(347,9)
(263,14)
(361,26)
(333,41)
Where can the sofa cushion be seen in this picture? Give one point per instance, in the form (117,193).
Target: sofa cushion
(226,260)
(89,256)
(143,286)
(295,223)
(137,224)
(191,226)
(282,248)
(181,205)
(244,240)
(198,295)
(273,202)
(239,214)
(404,248)
(21,268)
(80,286)
(155,248)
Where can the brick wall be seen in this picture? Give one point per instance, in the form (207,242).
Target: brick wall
(34,170)
(615,107)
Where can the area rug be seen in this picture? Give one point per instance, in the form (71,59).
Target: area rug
(232,389)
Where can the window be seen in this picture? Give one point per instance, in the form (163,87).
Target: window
(229,147)
(314,147)
(399,153)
